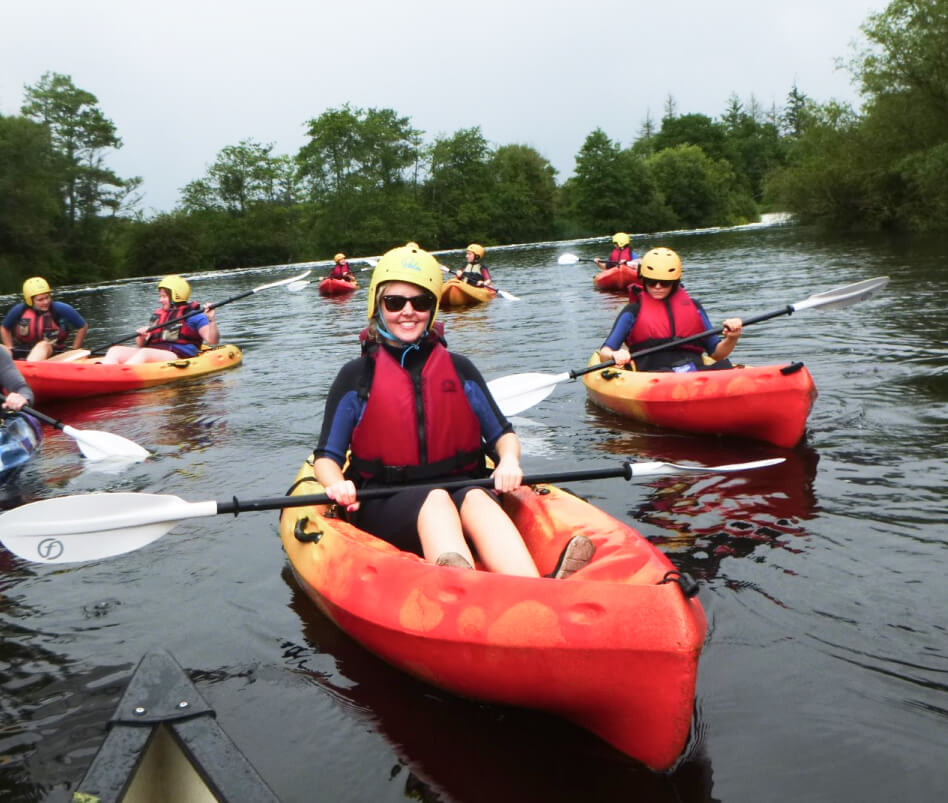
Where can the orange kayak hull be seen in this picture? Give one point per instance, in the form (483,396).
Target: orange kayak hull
(89,377)
(455,293)
(768,403)
(613,648)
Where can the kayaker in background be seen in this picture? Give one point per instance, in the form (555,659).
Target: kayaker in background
(12,384)
(341,270)
(664,312)
(181,339)
(406,377)
(622,253)
(38,327)
(475,272)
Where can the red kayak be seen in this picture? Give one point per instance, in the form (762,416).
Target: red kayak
(336,287)
(613,648)
(769,403)
(616,280)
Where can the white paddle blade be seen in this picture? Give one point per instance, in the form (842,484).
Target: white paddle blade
(518,392)
(97,445)
(508,296)
(844,296)
(295,287)
(69,529)
(656,469)
(567,259)
(291,280)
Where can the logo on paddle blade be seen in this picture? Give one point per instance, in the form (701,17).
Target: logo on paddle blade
(49,548)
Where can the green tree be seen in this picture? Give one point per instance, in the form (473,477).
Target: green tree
(524,188)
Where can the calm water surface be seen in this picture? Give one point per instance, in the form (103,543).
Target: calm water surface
(825,674)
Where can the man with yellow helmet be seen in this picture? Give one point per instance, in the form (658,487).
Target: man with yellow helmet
(410,411)
(475,272)
(341,271)
(177,329)
(622,253)
(664,312)
(38,327)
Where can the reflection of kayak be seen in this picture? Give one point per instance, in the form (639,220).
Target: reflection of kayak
(455,293)
(768,403)
(616,280)
(613,648)
(20,437)
(89,377)
(336,287)
(164,744)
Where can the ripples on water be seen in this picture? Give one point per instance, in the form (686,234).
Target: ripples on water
(825,672)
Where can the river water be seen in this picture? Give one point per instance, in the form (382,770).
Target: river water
(825,673)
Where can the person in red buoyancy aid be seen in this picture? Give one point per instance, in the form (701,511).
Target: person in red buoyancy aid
(622,255)
(410,411)
(38,327)
(192,328)
(341,269)
(664,312)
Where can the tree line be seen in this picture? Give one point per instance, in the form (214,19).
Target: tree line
(366,178)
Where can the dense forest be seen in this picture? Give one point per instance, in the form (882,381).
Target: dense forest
(366,178)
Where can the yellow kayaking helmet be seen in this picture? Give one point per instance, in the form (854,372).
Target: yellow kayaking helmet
(340,257)
(620,239)
(477,250)
(412,265)
(34,286)
(661,263)
(178,288)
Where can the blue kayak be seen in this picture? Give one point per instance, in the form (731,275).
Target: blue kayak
(20,437)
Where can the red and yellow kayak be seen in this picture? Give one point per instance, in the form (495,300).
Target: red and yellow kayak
(768,403)
(455,293)
(336,287)
(613,648)
(89,377)
(615,280)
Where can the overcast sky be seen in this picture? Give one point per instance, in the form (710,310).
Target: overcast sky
(181,79)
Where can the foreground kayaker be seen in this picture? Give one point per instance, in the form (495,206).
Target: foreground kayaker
(183,339)
(38,327)
(341,270)
(12,384)
(410,411)
(622,253)
(475,272)
(663,312)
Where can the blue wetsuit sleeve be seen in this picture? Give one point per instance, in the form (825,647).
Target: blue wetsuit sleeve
(344,409)
(493,423)
(710,343)
(68,313)
(15,313)
(622,326)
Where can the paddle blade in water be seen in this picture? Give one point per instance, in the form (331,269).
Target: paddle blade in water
(97,445)
(567,259)
(655,469)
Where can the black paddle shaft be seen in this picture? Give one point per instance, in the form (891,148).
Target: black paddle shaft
(236,506)
(176,320)
(766,316)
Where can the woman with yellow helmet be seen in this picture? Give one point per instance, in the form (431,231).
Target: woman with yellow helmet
(38,327)
(622,253)
(178,328)
(664,312)
(410,411)
(475,272)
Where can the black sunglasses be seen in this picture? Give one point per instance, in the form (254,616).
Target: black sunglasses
(657,282)
(420,303)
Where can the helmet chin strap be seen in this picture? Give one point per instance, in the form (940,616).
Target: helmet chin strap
(406,347)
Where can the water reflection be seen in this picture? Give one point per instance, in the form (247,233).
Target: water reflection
(456,749)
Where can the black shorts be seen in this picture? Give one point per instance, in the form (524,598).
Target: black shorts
(395,518)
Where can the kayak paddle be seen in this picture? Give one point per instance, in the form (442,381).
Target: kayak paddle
(93,526)
(94,444)
(293,284)
(518,392)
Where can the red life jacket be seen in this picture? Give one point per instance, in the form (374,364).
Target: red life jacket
(179,334)
(658,322)
(35,326)
(340,271)
(415,431)
(620,255)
